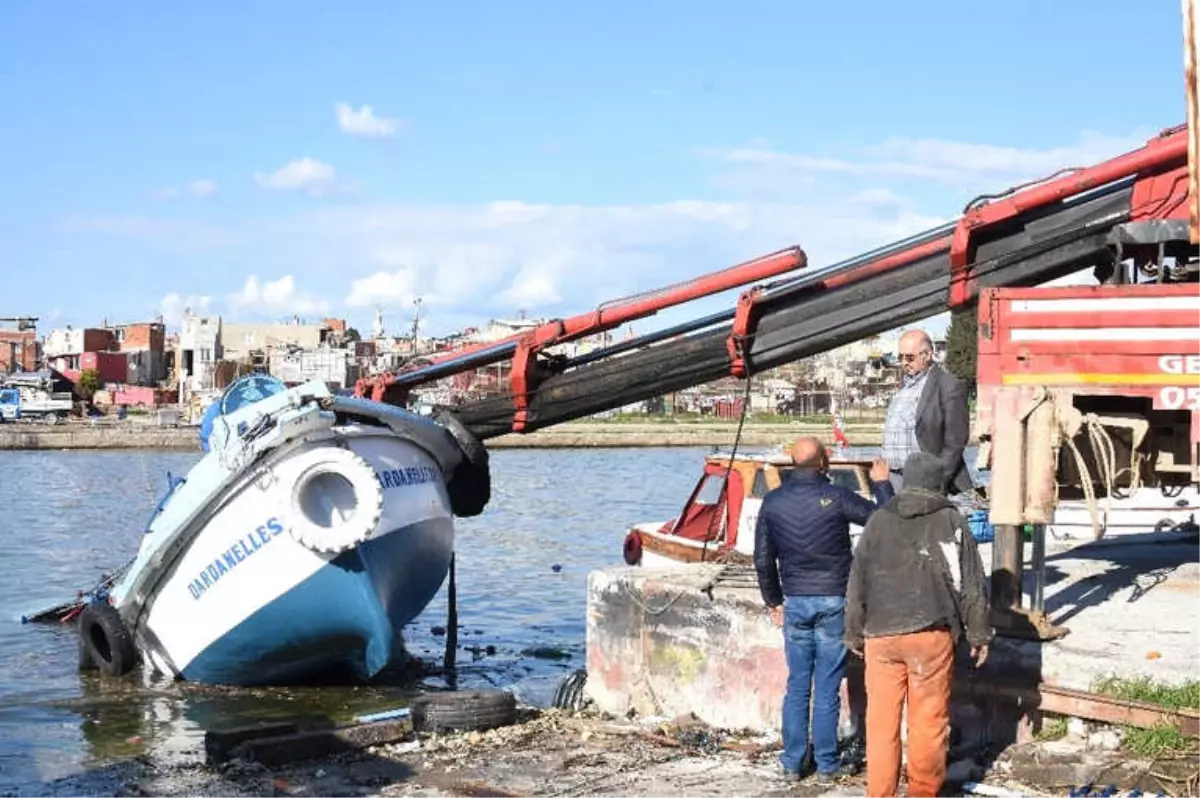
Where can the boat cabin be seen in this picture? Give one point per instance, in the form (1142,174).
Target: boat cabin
(718,519)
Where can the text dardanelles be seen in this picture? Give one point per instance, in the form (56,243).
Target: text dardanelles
(250,544)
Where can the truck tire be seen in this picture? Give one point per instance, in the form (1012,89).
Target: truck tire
(86,663)
(105,639)
(463,710)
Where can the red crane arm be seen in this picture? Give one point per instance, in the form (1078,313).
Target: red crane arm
(1158,191)
(606,317)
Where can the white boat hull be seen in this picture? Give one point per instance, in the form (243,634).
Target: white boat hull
(314,530)
(250,603)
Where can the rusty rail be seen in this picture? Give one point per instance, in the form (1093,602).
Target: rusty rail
(1084,704)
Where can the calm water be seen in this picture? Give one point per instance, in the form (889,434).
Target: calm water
(70,516)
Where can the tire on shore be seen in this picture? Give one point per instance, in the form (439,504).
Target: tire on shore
(463,710)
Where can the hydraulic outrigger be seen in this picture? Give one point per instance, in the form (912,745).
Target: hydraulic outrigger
(1138,207)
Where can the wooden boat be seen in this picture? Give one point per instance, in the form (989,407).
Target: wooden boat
(717,521)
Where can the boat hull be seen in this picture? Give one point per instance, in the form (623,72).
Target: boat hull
(251,602)
(347,614)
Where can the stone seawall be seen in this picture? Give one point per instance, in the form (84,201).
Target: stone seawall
(585,435)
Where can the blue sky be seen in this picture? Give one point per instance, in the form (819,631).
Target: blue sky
(523,155)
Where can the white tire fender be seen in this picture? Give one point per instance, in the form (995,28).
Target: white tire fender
(341,533)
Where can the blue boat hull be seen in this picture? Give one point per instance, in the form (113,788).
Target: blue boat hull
(349,613)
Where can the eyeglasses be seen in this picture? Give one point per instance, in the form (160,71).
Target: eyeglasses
(908,358)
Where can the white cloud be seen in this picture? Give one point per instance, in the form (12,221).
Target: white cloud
(364,122)
(983,166)
(302,174)
(475,261)
(201,189)
(383,289)
(275,297)
(173,306)
(498,258)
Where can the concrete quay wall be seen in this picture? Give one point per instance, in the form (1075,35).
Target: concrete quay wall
(86,436)
(666,642)
(565,436)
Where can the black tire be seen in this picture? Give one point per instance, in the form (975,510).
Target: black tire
(470,484)
(86,663)
(105,639)
(463,710)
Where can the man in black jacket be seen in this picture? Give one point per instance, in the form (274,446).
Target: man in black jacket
(916,587)
(802,555)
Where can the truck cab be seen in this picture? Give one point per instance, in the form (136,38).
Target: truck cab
(10,404)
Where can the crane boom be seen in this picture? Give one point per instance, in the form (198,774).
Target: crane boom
(1134,205)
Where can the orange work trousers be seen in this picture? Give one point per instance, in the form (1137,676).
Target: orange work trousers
(917,666)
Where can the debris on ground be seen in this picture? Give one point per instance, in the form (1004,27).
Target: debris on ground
(570,753)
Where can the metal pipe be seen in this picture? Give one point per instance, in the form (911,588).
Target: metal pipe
(453,365)
(816,276)
(651,338)
(1007,563)
(1039,568)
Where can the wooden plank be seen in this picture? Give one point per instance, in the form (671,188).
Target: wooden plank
(1083,704)
(220,745)
(316,743)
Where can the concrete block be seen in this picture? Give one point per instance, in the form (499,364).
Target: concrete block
(658,645)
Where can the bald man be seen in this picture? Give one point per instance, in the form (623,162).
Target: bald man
(928,414)
(802,554)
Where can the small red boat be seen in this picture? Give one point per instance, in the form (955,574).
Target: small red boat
(717,522)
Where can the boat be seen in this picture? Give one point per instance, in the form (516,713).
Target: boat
(716,523)
(311,531)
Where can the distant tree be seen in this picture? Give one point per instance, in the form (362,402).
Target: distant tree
(352,334)
(89,383)
(962,345)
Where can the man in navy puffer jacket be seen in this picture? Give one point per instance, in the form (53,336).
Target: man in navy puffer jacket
(802,555)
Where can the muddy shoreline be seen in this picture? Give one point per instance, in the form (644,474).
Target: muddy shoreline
(558,753)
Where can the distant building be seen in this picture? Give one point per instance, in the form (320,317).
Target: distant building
(71,342)
(255,342)
(335,367)
(144,346)
(19,350)
(200,347)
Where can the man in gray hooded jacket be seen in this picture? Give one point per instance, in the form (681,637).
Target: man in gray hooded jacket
(916,587)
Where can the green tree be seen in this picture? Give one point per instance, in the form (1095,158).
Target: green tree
(962,345)
(89,383)
(352,334)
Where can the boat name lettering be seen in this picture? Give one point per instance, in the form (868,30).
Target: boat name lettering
(1179,364)
(402,477)
(234,556)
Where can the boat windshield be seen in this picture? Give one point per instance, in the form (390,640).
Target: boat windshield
(250,389)
(846,477)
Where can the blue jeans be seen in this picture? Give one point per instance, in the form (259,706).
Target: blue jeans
(816,659)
